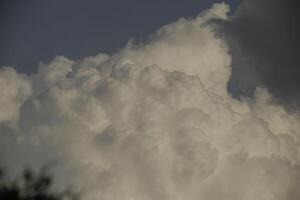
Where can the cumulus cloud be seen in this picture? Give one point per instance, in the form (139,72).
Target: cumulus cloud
(15,89)
(153,121)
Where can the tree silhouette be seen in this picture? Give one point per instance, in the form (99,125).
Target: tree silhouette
(32,186)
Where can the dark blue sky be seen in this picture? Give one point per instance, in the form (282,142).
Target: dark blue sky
(37,30)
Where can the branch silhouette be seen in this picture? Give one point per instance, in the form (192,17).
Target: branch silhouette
(32,186)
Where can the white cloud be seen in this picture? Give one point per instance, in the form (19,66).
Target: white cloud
(15,89)
(154,121)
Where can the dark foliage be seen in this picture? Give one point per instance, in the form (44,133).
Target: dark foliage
(31,186)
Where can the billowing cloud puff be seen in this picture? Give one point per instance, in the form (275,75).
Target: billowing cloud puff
(15,89)
(153,122)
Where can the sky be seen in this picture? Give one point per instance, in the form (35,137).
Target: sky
(203,103)
(33,31)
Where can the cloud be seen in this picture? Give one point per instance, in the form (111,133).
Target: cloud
(263,36)
(153,121)
(15,89)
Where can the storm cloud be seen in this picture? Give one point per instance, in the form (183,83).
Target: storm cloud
(263,36)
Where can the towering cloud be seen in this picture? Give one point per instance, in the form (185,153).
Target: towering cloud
(152,122)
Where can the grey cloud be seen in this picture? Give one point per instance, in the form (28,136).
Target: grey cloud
(263,36)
